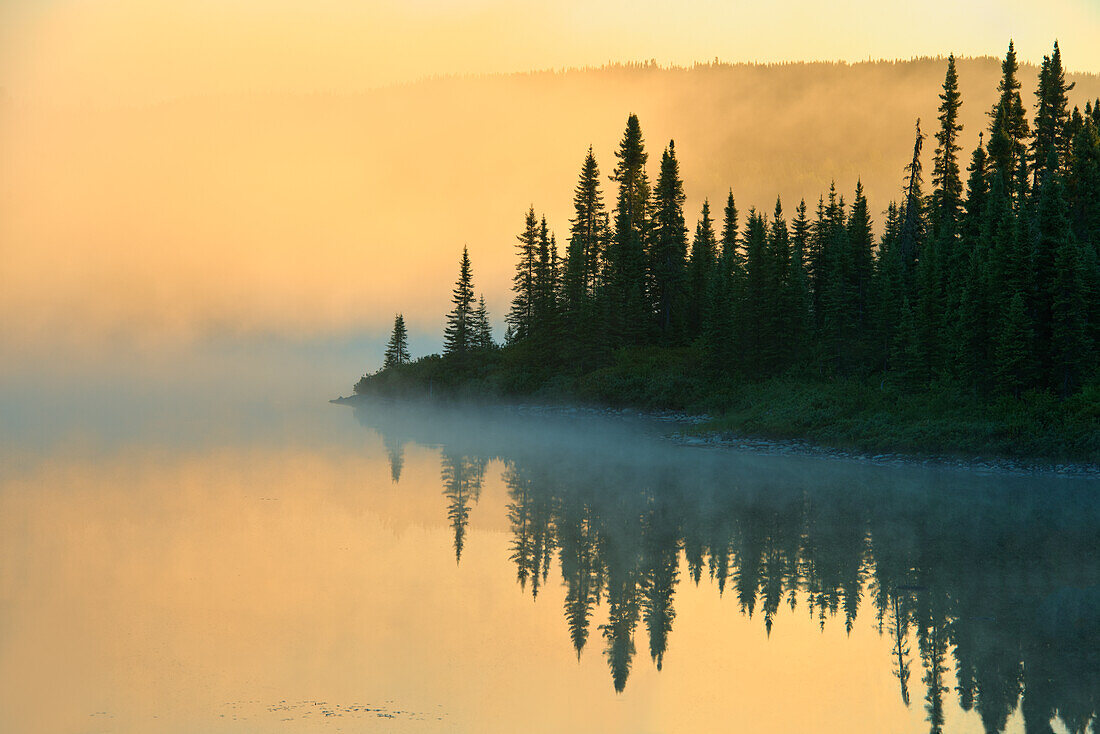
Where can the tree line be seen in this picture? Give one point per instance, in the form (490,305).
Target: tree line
(991,282)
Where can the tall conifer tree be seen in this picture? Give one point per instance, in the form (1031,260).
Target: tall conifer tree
(482,329)
(668,252)
(946,179)
(778,306)
(721,317)
(912,227)
(523,283)
(1012,349)
(943,274)
(581,277)
(1062,294)
(887,289)
(729,230)
(397,350)
(800,285)
(861,242)
(1009,128)
(629,312)
(755,315)
(1051,116)
(458,336)
(701,271)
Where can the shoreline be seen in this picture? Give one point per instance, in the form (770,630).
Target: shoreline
(689,433)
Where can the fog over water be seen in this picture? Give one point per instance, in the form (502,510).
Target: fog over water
(230,553)
(210,214)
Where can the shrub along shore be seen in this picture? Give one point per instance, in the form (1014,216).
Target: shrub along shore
(865,415)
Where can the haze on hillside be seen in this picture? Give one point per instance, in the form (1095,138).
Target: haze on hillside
(324,214)
(106,52)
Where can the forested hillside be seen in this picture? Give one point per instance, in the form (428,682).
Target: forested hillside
(985,277)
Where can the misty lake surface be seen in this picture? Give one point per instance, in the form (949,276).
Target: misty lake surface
(412,568)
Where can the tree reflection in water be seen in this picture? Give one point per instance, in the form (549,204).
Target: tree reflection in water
(993,580)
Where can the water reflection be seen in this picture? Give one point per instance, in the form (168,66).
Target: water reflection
(988,589)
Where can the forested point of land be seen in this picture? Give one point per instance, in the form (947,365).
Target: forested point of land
(970,323)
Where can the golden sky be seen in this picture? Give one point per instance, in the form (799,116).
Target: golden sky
(176,169)
(126,50)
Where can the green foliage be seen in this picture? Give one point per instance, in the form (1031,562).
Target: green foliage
(647,378)
(847,413)
(1014,346)
(854,414)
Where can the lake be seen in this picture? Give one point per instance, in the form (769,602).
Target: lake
(417,568)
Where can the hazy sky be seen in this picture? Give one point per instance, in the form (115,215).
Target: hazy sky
(127,50)
(166,173)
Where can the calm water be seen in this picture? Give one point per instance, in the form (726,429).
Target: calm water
(405,569)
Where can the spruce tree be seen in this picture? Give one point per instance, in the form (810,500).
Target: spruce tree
(1073,356)
(976,320)
(701,270)
(912,227)
(1012,351)
(458,336)
(755,314)
(1083,192)
(1005,246)
(1009,128)
(815,261)
(977,192)
(858,287)
(1051,116)
(907,352)
(946,179)
(833,284)
(1083,182)
(888,292)
(778,309)
(629,312)
(968,303)
(938,254)
(907,361)
(397,350)
(720,317)
(668,252)
(801,318)
(544,313)
(543,299)
(729,230)
(581,277)
(1063,295)
(482,329)
(725,295)
(523,283)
